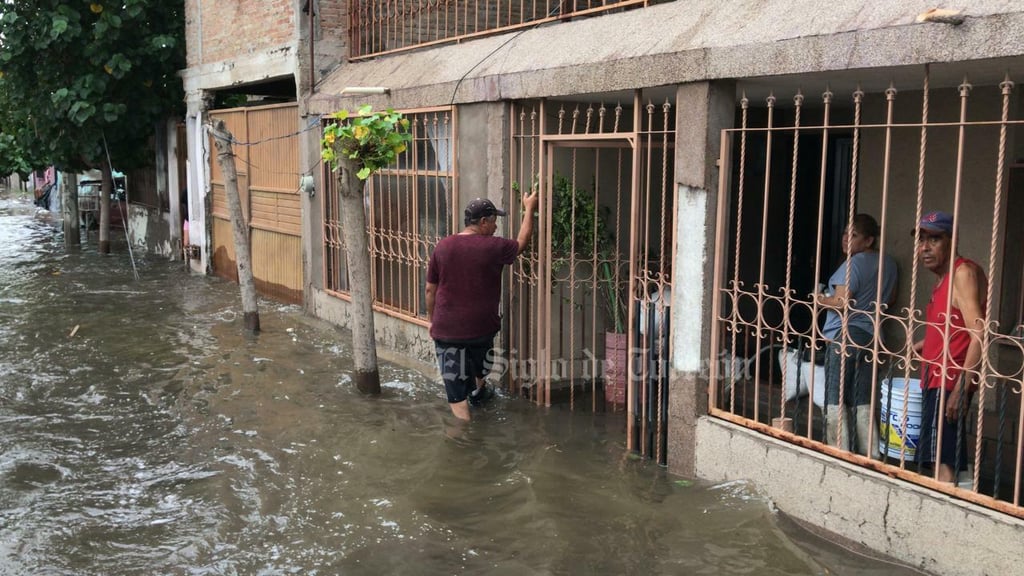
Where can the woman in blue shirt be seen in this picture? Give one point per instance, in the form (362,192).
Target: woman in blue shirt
(853,292)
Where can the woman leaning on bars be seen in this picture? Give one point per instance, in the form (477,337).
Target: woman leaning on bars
(857,292)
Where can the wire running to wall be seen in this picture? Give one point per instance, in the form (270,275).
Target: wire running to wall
(552,12)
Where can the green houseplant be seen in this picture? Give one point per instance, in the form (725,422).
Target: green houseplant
(580,226)
(580,229)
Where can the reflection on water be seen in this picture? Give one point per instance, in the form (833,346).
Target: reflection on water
(158,439)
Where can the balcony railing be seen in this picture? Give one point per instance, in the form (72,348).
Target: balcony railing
(387,26)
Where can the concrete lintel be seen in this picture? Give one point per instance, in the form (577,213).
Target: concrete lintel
(907,522)
(276,62)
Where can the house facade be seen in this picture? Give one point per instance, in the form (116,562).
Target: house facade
(698,162)
(249,65)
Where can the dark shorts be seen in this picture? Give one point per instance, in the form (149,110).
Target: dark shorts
(951,433)
(461,363)
(856,373)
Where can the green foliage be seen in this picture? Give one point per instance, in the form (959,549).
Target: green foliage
(580,229)
(227,100)
(578,222)
(74,73)
(12,159)
(372,139)
(614,301)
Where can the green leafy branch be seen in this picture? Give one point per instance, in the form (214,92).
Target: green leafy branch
(580,227)
(373,140)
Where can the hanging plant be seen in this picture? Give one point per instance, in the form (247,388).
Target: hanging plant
(373,140)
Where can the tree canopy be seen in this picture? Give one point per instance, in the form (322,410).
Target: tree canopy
(74,73)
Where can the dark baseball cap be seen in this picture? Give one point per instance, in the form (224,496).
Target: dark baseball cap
(482,208)
(937,222)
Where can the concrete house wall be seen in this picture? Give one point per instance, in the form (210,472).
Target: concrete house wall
(229,44)
(710,52)
(244,46)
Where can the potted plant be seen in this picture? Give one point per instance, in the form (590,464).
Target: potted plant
(579,225)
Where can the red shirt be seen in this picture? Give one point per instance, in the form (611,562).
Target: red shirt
(959,336)
(467,270)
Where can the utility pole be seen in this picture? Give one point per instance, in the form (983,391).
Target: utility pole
(226,158)
(69,209)
(106,188)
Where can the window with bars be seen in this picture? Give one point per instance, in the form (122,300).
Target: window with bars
(796,172)
(408,209)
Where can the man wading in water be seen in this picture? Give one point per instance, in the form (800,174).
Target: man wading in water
(463,295)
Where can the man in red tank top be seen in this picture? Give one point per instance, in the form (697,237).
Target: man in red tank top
(463,294)
(951,349)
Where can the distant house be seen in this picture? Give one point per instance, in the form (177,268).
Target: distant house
(244,68)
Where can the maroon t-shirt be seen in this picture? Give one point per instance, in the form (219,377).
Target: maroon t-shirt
(467,270)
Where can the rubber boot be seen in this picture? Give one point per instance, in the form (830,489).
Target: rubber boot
(863,422)
(832,430)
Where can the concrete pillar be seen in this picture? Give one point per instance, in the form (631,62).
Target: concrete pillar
(173,186)
(482,152)
(198,177)
(312,187)
(311,183)
(703,110)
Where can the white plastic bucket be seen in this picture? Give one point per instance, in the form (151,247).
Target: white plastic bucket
(891,435)
(798,376)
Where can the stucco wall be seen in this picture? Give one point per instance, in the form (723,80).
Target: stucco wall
(397,340)
(149,231)
(923,528)
(684,41)
(482,141)
(332,34)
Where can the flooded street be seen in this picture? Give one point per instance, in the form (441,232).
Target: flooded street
(142,433)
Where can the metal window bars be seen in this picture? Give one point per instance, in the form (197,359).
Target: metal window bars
(409,208)
(793,175)
(380,27)
(588,304)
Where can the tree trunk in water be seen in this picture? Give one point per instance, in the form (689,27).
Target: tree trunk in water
(364,344)
(105,189)
(226,159)
(69,210)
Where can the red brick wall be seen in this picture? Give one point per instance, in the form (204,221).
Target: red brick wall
(333,26)
(233,28)
(334,18)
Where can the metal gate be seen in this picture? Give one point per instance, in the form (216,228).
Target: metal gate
(267,159)
(588,305)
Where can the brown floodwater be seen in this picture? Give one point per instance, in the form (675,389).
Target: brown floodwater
(159,439)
